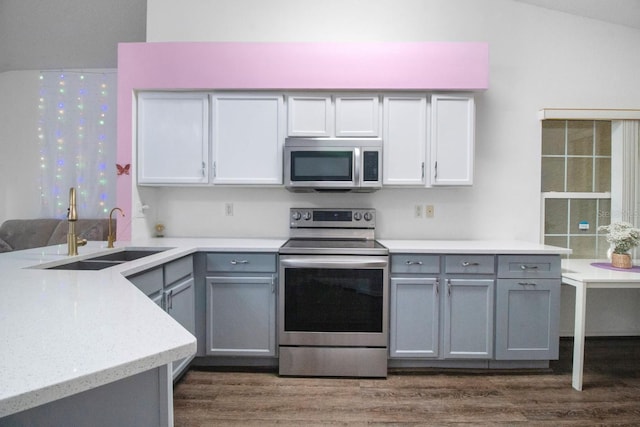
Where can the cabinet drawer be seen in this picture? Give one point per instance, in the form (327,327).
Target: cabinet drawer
(515,266)
(241,262)
(408,263)
(471,264)
(149,281)
(178,269)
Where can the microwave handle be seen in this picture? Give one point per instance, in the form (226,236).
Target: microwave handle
(357,165)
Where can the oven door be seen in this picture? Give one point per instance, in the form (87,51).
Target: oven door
(333,300)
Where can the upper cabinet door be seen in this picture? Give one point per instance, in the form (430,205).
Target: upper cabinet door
(309,115)
(247,138)
(173,138)
(452,139)
(404,140)
(357,116)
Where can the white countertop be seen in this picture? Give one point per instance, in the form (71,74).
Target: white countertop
(499,247)
(64,332)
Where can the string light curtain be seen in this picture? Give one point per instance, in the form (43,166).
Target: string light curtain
(77,133)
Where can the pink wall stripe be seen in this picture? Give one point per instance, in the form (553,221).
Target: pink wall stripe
(288,66)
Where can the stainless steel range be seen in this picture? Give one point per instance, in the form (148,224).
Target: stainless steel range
(333,295)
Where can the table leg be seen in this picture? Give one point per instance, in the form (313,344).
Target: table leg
(578,336)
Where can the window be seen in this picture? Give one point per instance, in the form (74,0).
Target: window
(576,185)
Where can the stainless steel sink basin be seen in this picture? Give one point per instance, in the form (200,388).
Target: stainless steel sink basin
(105,261)
(127,255)
(84,265)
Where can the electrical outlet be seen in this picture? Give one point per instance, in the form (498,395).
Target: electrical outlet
(417,211)
(429,211)
(228,209)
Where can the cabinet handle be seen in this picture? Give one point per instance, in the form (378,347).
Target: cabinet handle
(204,166)
(435,168)
(170,300)
(528,267)
(423,170)
(469,264)
(448,287)
(437,287)
(526,284)
(410,262)
(236,262)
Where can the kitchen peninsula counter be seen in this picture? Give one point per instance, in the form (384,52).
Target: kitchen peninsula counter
(65,332)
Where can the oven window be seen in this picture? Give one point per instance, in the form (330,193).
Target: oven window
(321,166)
(333,300)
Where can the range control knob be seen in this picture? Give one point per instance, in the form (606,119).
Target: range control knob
(295,215)
(368,216)
(306,216)
(357,216)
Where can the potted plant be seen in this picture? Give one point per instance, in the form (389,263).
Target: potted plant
(623,237)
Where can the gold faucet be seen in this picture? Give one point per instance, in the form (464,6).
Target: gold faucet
(72,216)
(112,236)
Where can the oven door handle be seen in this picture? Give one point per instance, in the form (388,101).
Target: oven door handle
(332,263)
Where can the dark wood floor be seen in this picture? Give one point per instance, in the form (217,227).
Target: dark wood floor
(611,395)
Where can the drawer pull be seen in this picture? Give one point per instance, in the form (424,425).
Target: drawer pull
(469,264)
(528,267)
(526,284)
(236,262)
(410,262)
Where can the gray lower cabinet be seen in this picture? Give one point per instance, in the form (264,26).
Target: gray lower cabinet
(468,318)
(414,317)
(528,307)
(442,306)
(241,304)
(172,287)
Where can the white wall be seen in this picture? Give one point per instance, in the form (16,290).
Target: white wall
(538,59)
(19,145)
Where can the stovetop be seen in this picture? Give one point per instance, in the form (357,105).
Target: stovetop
(333,247)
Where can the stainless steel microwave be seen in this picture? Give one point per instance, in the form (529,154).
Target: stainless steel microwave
(331,164)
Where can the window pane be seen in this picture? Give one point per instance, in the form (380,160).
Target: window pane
(603,174)
(603,138)
(555,216)
(552,174)
(580,138)
(580,174)
(559,241)
(583,210)
(604,212)
(583,246)
(553,133)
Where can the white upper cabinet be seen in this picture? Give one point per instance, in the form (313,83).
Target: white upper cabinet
(452,139)
(404,140)
(357,116)
(309,115)
(247,138)
(344,115)
(172,138)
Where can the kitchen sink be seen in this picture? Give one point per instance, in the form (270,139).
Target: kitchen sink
(105,261)
(127,255)
(85,265)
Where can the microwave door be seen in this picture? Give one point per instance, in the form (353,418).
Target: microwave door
(322,168)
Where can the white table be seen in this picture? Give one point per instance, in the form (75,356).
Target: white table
(580,274)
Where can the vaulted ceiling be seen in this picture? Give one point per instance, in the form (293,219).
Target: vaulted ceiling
(622,12)
(40,34)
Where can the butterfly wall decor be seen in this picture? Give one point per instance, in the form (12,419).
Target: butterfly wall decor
(123,170)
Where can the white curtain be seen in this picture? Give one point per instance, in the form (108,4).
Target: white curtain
(77,132)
